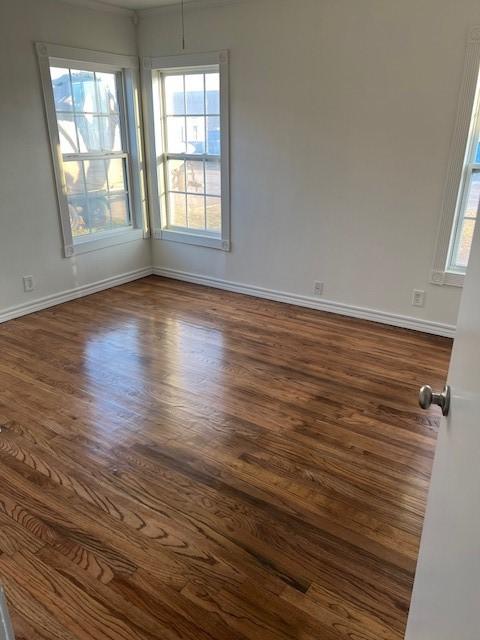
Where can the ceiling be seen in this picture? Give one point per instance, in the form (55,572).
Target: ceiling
(133,4)
(130,4)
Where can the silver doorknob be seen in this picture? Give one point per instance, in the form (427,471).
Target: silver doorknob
(427,397)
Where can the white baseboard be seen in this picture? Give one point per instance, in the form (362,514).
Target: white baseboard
(310,302)
(72,294)
(363,313)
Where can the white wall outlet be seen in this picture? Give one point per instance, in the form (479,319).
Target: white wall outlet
(28,283)
(418,298)
(318,288)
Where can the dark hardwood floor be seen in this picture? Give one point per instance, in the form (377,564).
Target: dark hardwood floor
(178,462)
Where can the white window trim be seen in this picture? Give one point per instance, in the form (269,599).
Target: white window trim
(97,60)
(150,69)
(455,180)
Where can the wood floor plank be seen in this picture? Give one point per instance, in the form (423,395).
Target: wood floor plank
(180,462)
(157,622)
(84,616)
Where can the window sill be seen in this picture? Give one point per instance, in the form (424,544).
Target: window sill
(193,238)
(449,278)
(87,244)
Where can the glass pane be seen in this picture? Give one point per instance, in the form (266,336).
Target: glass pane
(477,155)
(473,201)
(213,177)
(109,132)
(99,212)
(464,244)
(176,135)
(67,133)
(214,214)
(96,176)
(79,217)
(107,92)
(73,172)
(177,210)
(195,135)
(212,87)
(62,89)
(88,133)
(213,135)
(195,180)
(119,211)
(174,95)
(176,175)
(196,212)
(116,175)
(194,93)
(84,94)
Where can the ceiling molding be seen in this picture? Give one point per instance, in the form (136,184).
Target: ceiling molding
(98,5)
(174,4)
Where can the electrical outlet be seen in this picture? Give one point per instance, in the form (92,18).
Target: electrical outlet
(418,298)
(28,283)
(318,288)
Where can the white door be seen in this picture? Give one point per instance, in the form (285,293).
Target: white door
(6,631)
(446,595)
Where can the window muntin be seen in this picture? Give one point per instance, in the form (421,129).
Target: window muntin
(468,202)
(192,149)
(91,126)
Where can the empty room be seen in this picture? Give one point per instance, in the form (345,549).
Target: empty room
(239,319)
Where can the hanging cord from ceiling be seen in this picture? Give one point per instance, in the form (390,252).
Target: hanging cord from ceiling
(183,25)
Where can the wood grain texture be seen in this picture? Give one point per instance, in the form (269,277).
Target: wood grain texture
(178,462)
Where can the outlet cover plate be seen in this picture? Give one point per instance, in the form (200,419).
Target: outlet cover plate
(28,283)
(318,288)
(418,298)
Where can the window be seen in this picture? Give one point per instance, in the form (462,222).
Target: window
(187,111)
(468,202)
(94,150)
(192,150)
(95,146)
(462,192)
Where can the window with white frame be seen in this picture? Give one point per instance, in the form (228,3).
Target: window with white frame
(462,191)
(188,115)
(95,143)
(468,205)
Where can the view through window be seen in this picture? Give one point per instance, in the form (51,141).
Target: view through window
(192,150)
(88,107)
(468,203)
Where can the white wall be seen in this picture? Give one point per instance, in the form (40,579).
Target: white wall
(30,242)
(342,113)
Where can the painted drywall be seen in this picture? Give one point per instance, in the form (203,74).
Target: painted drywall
(30,241)
(342,112)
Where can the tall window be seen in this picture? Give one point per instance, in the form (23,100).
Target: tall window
(192,150)
(94,149)
(468,206)
(92,136)
(187,112)
(461,202)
